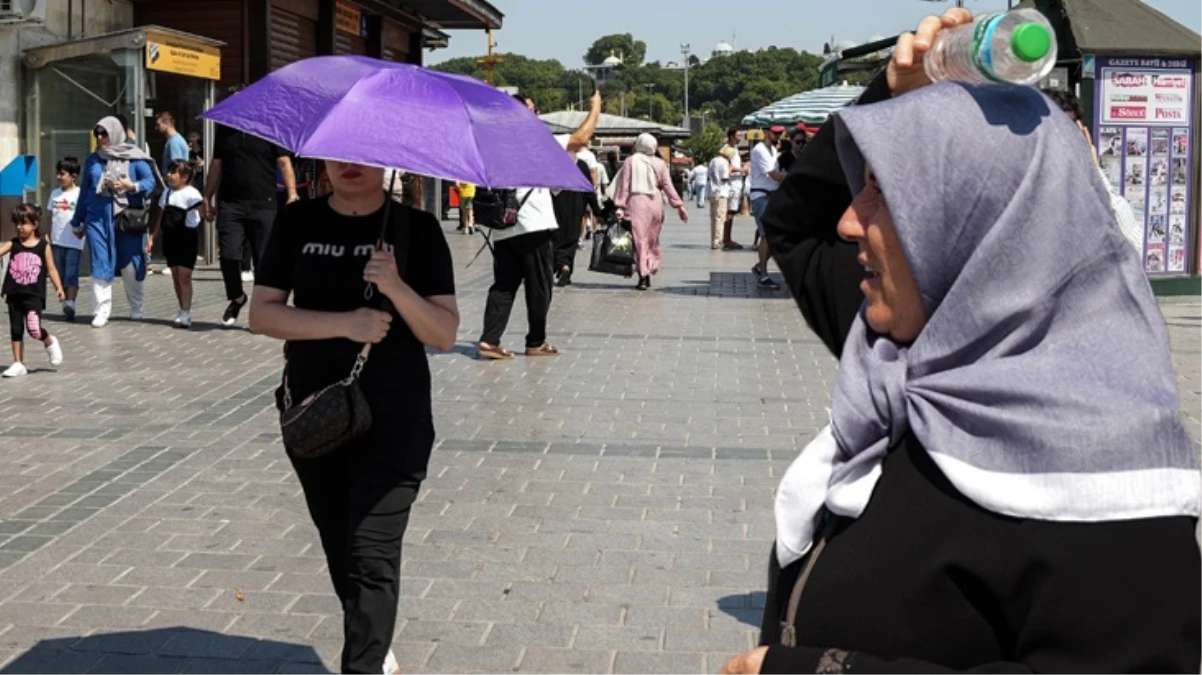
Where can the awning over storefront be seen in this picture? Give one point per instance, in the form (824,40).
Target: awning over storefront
(456,14)
(613,126)
(1120,27)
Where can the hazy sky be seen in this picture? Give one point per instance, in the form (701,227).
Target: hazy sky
(563,29)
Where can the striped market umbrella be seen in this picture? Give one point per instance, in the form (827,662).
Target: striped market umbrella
(809,107)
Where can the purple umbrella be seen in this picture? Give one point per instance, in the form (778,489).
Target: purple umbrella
(401,116)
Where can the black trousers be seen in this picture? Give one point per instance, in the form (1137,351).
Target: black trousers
(526,258)
(237,225)
(360,505)
(25,313)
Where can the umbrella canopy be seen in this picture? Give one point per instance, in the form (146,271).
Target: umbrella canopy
(810,107)
(401,116)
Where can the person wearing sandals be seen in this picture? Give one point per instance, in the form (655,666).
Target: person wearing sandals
(524,255)
(1005,484)
(323,253)
(643,184)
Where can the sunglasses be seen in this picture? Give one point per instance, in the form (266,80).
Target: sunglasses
(99,133)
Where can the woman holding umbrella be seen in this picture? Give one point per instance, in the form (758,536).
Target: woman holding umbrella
(323,253)
(643,182)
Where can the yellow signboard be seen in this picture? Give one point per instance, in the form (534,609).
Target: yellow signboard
(347,18)
(175,54)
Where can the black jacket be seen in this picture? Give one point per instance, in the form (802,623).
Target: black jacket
(927,581)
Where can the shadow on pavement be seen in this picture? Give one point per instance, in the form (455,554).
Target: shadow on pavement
(166,650)
(747,608)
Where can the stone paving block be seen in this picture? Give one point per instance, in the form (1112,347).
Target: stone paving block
(201,645)
(53,661)
(174,598)
(649,662)
(35,613)
(106,617)
(443,632)
(258,581)
(126,642)
(216,561)
(73,572)
(649,616)
(545,660)
(139,663)
(628,594)
(283,627)
(504,611)
(582,614)
(95,594)
(472,659)
(620,638)
(530,634)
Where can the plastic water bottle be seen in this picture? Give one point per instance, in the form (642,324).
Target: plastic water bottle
(1018,46)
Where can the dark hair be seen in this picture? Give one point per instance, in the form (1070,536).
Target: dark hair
(124,122)
(182,167)
(67,164)
(732,131)
(520,98)
(1068,102)
(28,213)
(166,118)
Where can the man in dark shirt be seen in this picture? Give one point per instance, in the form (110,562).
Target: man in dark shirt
(797,143)
(242,177)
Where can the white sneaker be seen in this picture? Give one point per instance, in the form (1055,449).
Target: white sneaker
(248,276)
(15,370)
(100,320)
(55,351)
(391,667)
(184,320)
(166,272)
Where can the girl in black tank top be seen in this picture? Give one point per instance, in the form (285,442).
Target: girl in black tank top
(25,287)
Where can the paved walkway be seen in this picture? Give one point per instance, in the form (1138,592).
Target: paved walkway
(605,511)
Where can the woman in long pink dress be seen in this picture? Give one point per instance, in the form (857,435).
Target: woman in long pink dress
(643,183)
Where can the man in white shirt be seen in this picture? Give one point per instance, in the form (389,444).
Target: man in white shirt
(765,178)
(734,196)
(523,254)
(697,180)
(718,187)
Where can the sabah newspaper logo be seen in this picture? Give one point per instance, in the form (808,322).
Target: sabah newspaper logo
(1129,80)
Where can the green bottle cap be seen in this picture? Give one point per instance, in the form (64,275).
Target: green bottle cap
(1031,42)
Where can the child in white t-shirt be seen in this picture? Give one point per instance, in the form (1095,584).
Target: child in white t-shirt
(68,248)
(178,225)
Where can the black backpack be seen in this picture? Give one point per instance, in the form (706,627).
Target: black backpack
(174,216)
(498,209)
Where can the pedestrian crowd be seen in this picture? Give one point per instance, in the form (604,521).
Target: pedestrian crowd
(1005,484)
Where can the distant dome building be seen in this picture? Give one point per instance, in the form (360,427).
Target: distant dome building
(611,61)
(722,49)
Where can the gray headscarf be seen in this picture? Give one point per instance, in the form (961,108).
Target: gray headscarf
(1041,385)
(117,155)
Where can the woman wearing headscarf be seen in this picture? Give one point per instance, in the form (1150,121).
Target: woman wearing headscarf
(1005,485)
(117,176)
(643,183)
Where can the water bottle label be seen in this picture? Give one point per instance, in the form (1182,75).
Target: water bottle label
(982,45)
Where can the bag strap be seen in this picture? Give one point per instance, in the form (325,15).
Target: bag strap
(523,201)
(788,634)
(401,252)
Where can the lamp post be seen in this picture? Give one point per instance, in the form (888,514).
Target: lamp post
(684,49)
(650,101)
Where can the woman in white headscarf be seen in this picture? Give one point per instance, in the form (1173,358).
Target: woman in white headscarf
(642,184)
(118,176)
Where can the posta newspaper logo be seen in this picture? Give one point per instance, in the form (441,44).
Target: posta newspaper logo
(1129,80)
(1170,114)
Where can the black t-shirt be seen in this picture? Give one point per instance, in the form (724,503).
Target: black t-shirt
(248,167)
(318,256)
(785,160)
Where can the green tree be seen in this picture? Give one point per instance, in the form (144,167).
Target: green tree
(704,146)
(631,50)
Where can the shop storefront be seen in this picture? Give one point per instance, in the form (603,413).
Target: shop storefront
(136,73)
(1136,70)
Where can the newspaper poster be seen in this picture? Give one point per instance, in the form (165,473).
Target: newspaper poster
(1145,145)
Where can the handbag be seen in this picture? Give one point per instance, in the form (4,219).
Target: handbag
(339,413)
(598,263)
(498,209)
(619,243)
(131,220)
